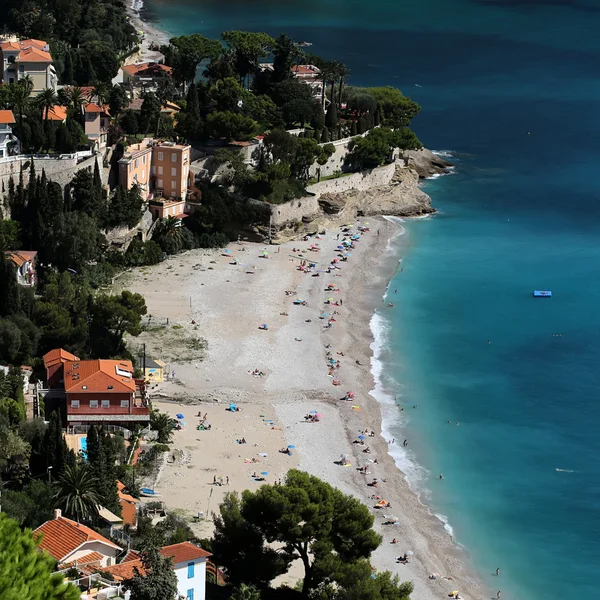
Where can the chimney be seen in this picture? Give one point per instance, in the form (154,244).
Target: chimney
(57,513)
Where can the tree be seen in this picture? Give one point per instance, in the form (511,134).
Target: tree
(102,61)
(10,297)
(299,111)
(78,493)
(186,52)
(163,425)
(229,126)
(55,446)
(283,58)
(397,110)
(46,100)
(378,146)
(245,592)
(25,572)
(331,117)
(149,113)
(157,579)
(343,72)
(249,48)
(240,546)
(308,518)
(117,100)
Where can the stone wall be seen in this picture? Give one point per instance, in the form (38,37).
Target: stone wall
(293,212)
(356,181)
(58,168)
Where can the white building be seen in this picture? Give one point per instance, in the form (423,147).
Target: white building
(189,563)
(9,144)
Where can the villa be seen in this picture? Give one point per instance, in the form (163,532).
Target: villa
(9,144)
(28,58)
(24,261)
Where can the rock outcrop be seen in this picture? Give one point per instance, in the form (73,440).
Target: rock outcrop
(426,163)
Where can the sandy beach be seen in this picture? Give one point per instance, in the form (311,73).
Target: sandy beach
(220,299)
(151,35)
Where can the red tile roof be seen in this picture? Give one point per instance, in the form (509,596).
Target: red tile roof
(184,552)
(57,355)
(61,536)
(132,70)
(305,70)
(99,376)
(86,559)
(125,570)
(39,44)
(34,55)
(131,555)
(56,113)
(123,495)
(7,117)
(19,257)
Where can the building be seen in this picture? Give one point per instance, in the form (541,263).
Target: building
(161,209)
(143,77)
(129,505)
(54,362)
(96,119)
(28,58)
(25,263)
(189,563)
(56,114)
(9,144)
(160,169)
(71,543)
(154,370)
(104,391)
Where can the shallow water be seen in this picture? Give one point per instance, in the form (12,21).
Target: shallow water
(511,87)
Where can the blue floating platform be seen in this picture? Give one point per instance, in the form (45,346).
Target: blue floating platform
(542,294)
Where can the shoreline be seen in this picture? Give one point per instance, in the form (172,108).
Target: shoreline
(295,382)
(152,34)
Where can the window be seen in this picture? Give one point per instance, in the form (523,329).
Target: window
(93,403)
(160,170)
(144,159)
(190,570)
(159,184)
(137,162)
(74,403)
(173,171)
(152,170)
(161,156)
(124,403)
(190,594)
(174,157)
(105,403)
(173,185)
(143,173)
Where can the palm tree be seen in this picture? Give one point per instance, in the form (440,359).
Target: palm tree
(76,99)
(27,82)
(102,93)
(20,100)
(343,73)
(326,73)
(335,68)
(163,424)
(46,100)
(78,494)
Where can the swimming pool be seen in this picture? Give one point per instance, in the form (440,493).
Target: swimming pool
(83,447)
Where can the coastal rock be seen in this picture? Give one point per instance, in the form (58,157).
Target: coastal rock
(426,163)
(332,204)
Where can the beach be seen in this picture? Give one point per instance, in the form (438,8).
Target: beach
(150,35)
(224,297)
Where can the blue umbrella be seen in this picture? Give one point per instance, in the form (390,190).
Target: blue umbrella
(180,416)
(264,472)
(312,412)
(292,447)
(232,407)
(361,437)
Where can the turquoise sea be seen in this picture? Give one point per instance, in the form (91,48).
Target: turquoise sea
(511,88)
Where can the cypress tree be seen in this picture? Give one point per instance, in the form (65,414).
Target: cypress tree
(93,449)
(325,135)
(56,447)
(331,117)
(9,298)
(353,128)
(317,135)
(68,73)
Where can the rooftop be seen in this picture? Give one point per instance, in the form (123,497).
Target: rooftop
(56,356)
(34,55)
(61,536)
(183,552)
(57,113)
(99,375)
(19,257)
(21,45)
(7,117)
(154,68)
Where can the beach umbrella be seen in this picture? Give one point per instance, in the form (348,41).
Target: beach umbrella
(232,407)
(330,299)
(264,472)
(180,416)
(409,553)
(361,437)
(319,415)
(227,251)
(292,447)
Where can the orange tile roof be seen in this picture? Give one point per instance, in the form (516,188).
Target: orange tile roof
(57,113)
(184,552)
(33,55)
(132,70)
(99,376)
(19,257)
(131,555)
(92,108)
(39,44)
(61,536)
(7,117)
(86,559)
(57,355)
(125,570)
(123,495)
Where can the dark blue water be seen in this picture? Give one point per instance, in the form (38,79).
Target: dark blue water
(512,88)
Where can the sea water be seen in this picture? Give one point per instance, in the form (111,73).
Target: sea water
(511,88)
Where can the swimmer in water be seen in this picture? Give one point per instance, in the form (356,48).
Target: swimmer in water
(441,476)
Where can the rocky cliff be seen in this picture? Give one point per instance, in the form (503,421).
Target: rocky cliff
(426,163)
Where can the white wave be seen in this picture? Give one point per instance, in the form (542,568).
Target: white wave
(444,153)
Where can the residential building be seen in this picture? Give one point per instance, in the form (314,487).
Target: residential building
(25,263)
(189,564)
(54,362)
(154,370)
(161,209)
(143,77)
(71,543)
(135,166)
(308,74)
(160,169)
(9,144)
(171,173)
(104,391)
(96,119)
(28,58)
(129,505)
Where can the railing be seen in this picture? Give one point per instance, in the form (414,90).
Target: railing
(21,157)
(127,433)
